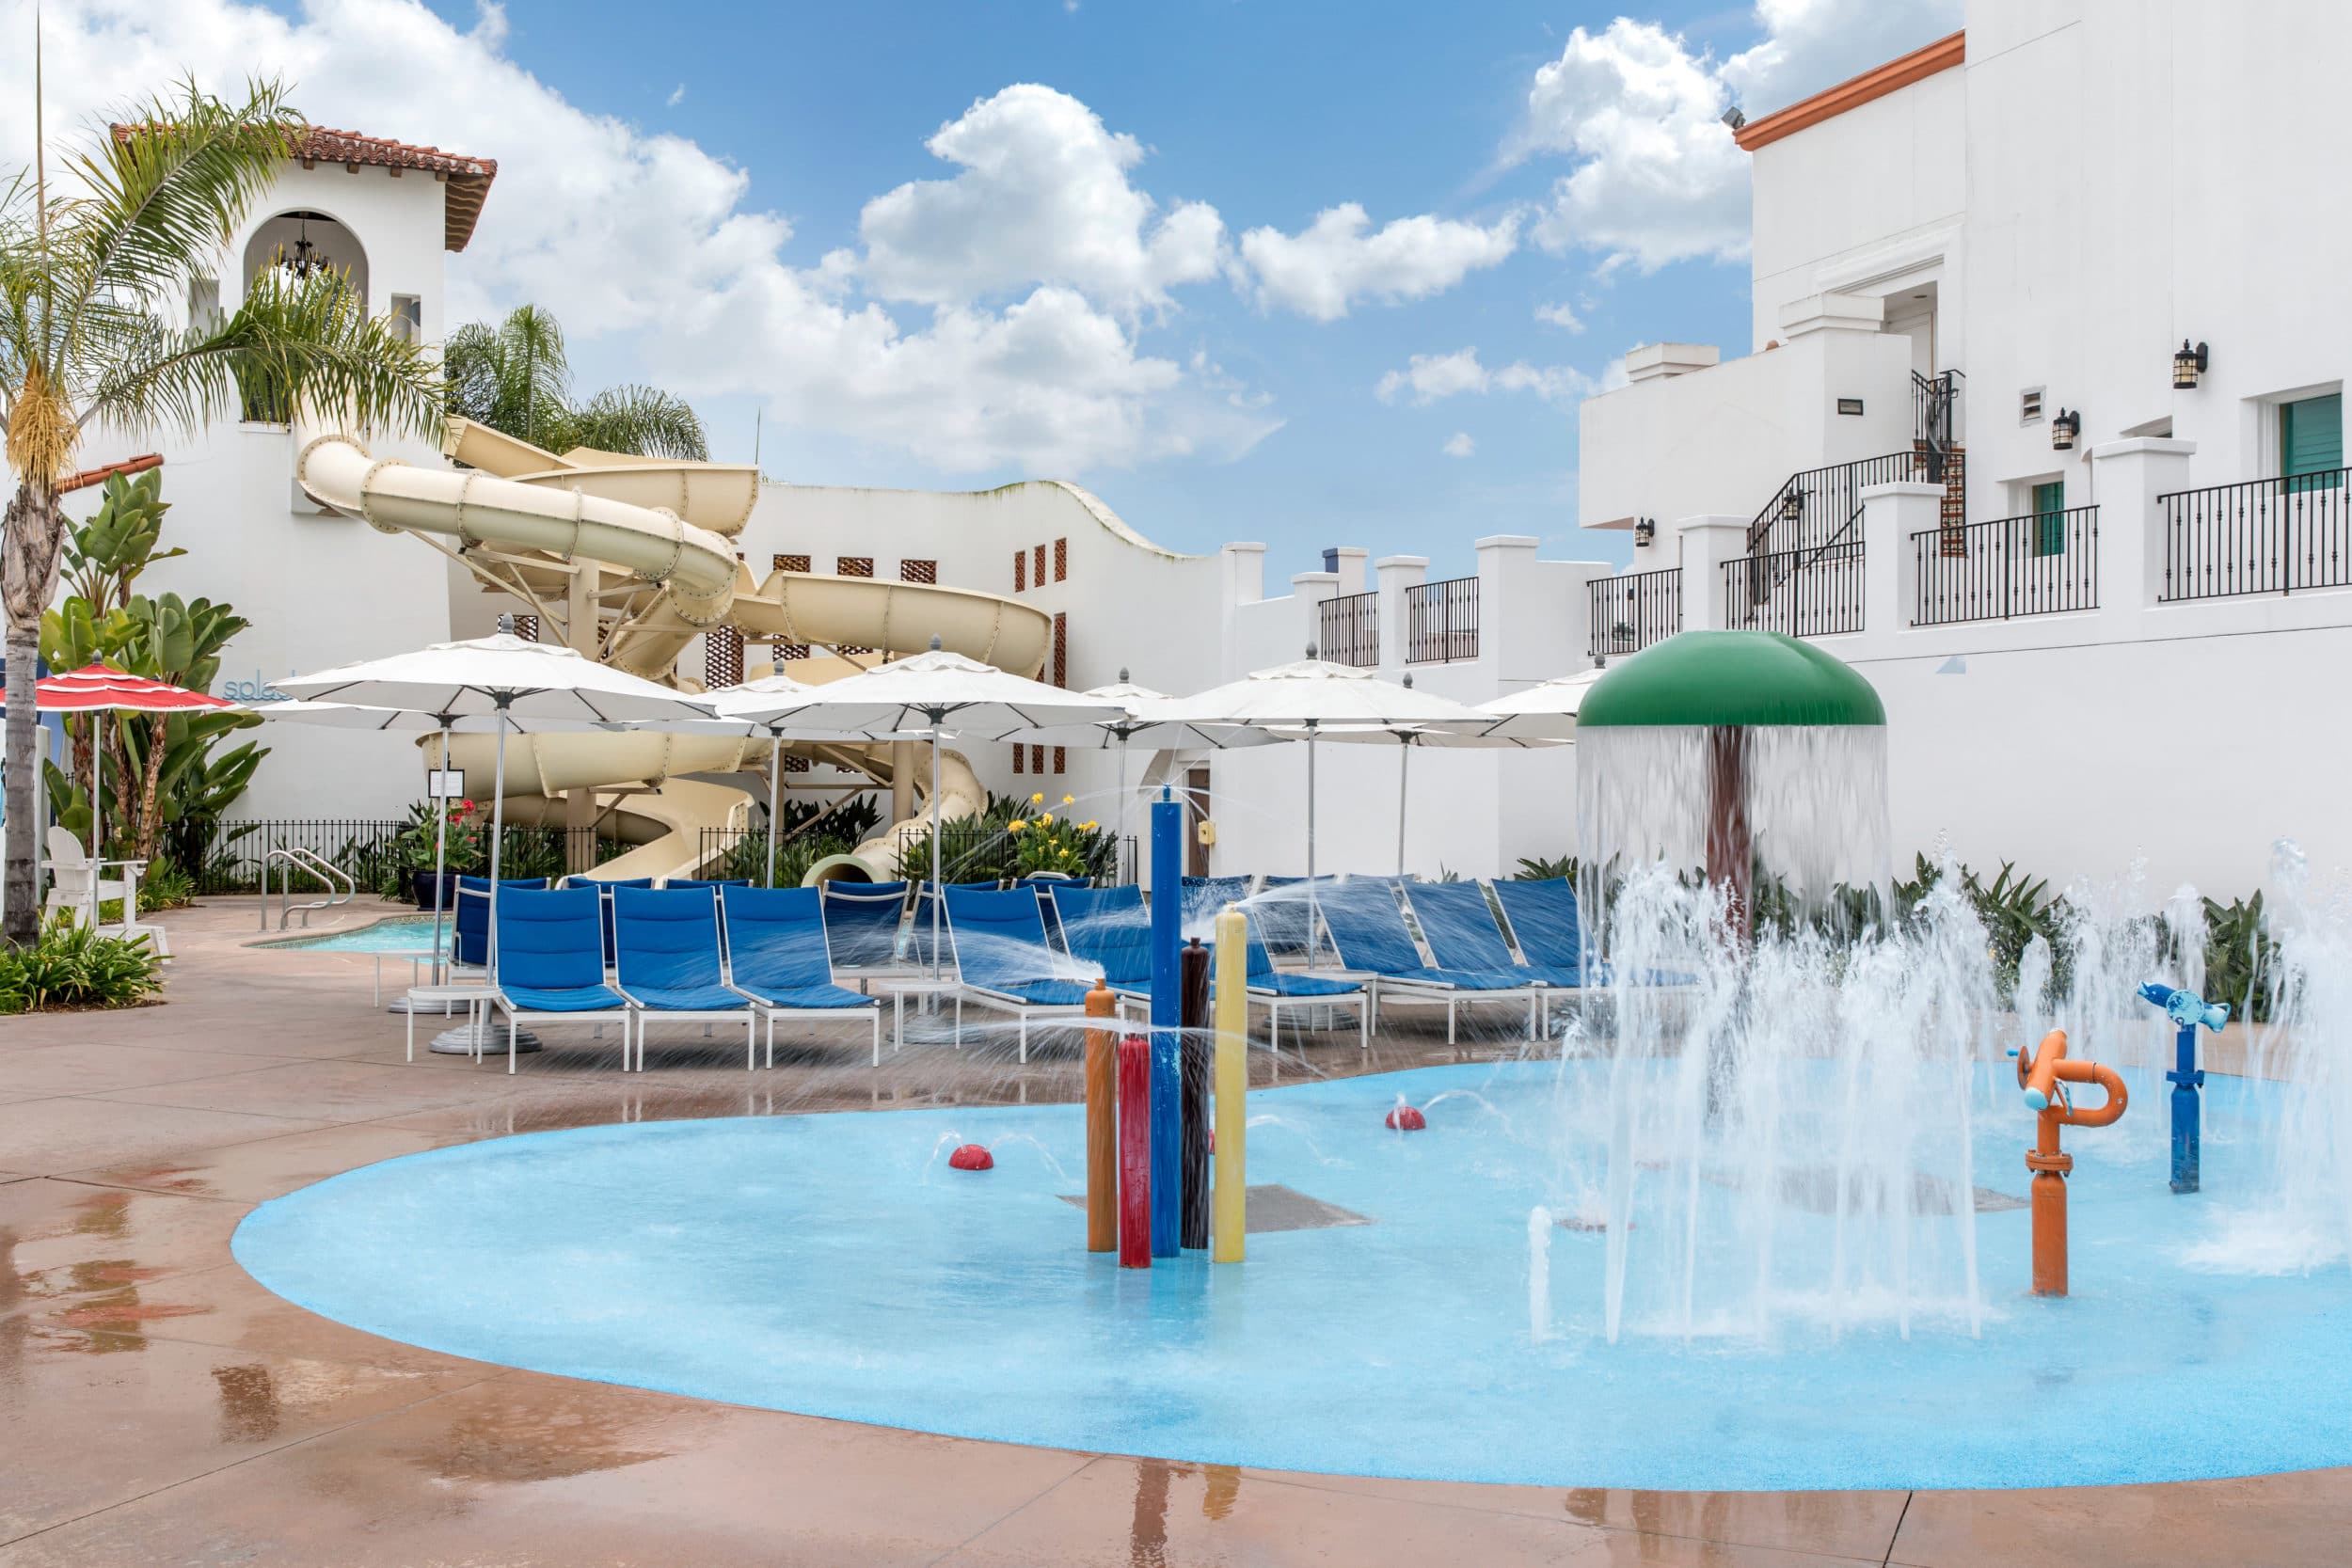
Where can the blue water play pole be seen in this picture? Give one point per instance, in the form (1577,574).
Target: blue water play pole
(1168,1016)
(2187,1009)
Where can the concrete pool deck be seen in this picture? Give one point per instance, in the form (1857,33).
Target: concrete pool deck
(162,1407)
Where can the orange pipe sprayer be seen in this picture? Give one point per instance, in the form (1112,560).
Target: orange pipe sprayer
(2040,1075)
(1102,1124)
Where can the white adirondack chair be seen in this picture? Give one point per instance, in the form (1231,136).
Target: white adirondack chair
(69,872)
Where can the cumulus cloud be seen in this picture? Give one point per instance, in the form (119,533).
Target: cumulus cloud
(1657,176)
(1429,378)
(1043,196)
(1339,259)
(1460,445)
(622,232)
(1559,315)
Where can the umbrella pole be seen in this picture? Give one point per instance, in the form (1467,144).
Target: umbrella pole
(1315,910)
(440,855)
(498,836)
(1122,846)
(1404,776)
(939,891)
(775,774)
(97,814)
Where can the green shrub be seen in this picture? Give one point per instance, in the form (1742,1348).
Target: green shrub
(72,966)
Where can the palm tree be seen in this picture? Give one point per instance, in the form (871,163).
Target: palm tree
(91,285)
(515,377)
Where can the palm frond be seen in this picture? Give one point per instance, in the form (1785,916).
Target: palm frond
(642,419)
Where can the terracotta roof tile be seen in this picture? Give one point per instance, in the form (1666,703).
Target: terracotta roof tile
(468,179)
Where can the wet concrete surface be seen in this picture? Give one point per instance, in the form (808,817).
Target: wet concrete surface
(158,1406)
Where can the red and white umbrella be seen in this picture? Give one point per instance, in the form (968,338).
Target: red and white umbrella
(100,688)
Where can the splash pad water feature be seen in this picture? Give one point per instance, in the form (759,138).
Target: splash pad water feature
(1762,1227)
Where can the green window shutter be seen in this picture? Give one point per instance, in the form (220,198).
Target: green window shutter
(2049,518)
(2310,440)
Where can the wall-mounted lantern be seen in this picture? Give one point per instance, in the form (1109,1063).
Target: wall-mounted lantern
(2187,365)
(1644,532)
(1793,504)
(2064,427)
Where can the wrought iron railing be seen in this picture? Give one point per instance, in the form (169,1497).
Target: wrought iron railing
(1823,506)
(224,856)
(2263,536)
(975,853)
(2040,564)
(1935,416)
(1441,620)
(1807,592)
(1632,611)
(1348,631)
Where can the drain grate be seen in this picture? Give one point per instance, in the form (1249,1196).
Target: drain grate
(1275,1207)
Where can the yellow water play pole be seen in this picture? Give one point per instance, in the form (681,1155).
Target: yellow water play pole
(1232,1192)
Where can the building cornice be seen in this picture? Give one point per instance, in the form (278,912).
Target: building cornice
(1896,74)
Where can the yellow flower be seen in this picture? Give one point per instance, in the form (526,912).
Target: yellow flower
(1089,827)
(1016,827)
(1037,799)
(1046,816)
(1070,800)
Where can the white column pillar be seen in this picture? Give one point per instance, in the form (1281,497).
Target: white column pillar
(1506,589)
(1351,559)
(1308,591)
(1395,574)
(2126,477)
(1708,541)
(1891,514)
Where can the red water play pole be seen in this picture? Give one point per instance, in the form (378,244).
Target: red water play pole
(1135,1153)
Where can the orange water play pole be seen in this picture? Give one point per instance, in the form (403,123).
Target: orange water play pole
(2040,1075)
(1102,1125)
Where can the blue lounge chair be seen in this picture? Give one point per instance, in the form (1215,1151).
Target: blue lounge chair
(605,889)
(1275,990)
(1107,928)
(1459,928)
(1205,897)
(1544,919)
(1003,961)
(919,921)
(470,944)
(667,960)
(550,962)
(777,956)
(1285,915)
(862,920)
(1043,884)
(1368,933)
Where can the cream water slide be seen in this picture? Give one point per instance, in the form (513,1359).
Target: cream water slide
(631,557)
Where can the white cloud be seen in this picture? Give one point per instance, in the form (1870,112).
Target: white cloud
(1337,260)
(1460,445)
(1559,315)
(623,232)
(1429,378)
(1656,176)
(1043,196)
(678,95)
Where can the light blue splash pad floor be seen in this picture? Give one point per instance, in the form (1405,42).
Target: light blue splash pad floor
(832,1264)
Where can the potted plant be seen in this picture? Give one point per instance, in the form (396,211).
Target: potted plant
(460,854)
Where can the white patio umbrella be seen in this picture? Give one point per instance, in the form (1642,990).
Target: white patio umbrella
(353,716)
(762,706)
(1545,711)
(1407,739)
(520,686)
(1308,698)
(1141,703)
(937,693)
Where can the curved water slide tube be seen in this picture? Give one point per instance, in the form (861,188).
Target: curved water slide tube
(657,536)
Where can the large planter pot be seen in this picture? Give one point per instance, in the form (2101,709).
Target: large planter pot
(424,885)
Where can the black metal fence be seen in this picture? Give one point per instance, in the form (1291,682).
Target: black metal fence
(975,853)
(1348,631)
(1822,507)
(2032,565)
(1632,611)
(227,856)
(1807,592)
(2264,536)
(1441,620)
(1935,414)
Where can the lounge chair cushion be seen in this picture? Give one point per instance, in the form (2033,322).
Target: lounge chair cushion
(809,998)
(1461,979)
(1041,993)
(1279,983)
(583,999)
(686,999)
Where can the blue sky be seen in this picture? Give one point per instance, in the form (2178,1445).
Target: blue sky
(953,244)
